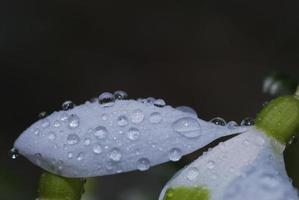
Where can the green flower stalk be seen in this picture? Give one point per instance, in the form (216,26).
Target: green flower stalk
(53,187)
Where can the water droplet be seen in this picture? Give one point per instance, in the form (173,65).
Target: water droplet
(292,140)
(56,123)
(192,173)
(70,155)
(159,103)
(67,105)
(133,133)
(36,131)
(218,121)
(42,115)
(73,139)
(80,156)
(143,164)
(188,127)
(248,121)
(100,132)
(115,154)
(45,123)
(87,141)
(155,118)
(73,121)
(137,116)
(52,135)
(97,149)
(106,98)
(232,125)
(211,164)
(14,153)
(186,109)
(175,154)
(122,120)
(64,116)
(150,100)
(119,95)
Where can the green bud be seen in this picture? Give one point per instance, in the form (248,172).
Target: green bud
(53,187)
(187,193)
(280,118)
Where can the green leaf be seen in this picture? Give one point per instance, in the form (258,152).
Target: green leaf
(187,193)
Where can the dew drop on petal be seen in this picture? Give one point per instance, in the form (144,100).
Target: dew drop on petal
(42,115)
(218,121)
(64,116)
(14,153)
(186,109)
(36,131)
(159,103)
(150,100)
(248,121)
(155,118)
(56,124)
(175,154)
(73,121)
(188,127)
(87,141)
(67,105)
(97,149)
(133,133)
(52,135)
(73,139)
(115,154)
(100,132)
(232,125)
(119,95)
(122,120)
(70,155)
(80,156)
(45,123)
(143,164)
(211,164)
(106,99)
(137,116)
(192,173)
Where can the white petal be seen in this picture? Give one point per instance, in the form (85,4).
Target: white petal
(248,166)
(99,139)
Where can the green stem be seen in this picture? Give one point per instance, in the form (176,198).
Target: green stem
(53,187)
(280,118)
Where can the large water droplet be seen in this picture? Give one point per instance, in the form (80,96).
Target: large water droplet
(100,132)
(42,115)
(159,103)
(175,154)
(218,121)
(73,139)
(97,149)
(232,125)
(150,100)
(192,173)
(52,135)
(155,118)
(67,105)
(133,133)
(106,98)
(115,154)
(14,153)
(143,164)
(73,121)
(188,127)
(122,120)
(137,116)
(248,121)
(186,109)
(119,95)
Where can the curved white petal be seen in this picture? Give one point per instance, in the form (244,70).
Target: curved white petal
(248,166)
(99,139)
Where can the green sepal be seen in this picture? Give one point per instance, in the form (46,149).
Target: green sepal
(53,187)
(187,193)
(280,118)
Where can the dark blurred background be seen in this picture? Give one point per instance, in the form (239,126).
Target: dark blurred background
(210,55)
